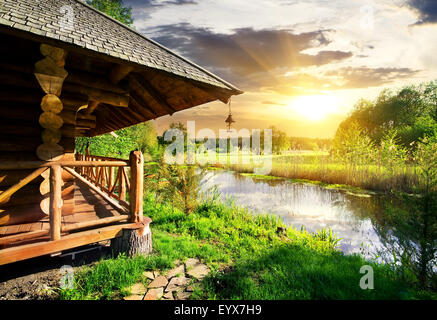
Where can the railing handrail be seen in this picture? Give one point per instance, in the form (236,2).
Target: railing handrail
(21,165)
(101,157)
(132,211)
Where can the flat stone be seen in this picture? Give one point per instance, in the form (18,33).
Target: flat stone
(183,295)
(134,297)
(199,271)
(154,294)
(149,275)
(159,281)
(174,272)
(155,273)
(191,262)
(177,284)
(138,289)
(168,296)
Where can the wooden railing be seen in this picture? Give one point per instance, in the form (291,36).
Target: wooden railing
(98,174)
(113,181)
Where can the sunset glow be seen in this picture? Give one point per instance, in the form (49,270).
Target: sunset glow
(314,108)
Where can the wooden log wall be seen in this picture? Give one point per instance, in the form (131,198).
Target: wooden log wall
(34,125)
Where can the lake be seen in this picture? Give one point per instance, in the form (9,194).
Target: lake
(307,205)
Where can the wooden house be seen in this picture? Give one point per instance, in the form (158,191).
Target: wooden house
(66,71)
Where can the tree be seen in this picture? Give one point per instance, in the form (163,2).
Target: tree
(411,111)
(280,140)
(115,9)
(147,140)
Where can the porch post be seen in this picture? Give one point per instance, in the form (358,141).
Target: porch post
(136,186)
(55,202)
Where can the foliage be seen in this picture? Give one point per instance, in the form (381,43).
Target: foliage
(352,146)
(248,257)
(411,110)
(176,185)
(139,137)
(115,9)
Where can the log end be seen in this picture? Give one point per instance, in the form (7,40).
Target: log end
(133,242)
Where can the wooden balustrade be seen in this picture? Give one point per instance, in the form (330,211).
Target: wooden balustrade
(106,176)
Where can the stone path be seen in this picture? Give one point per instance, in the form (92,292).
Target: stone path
(176,284)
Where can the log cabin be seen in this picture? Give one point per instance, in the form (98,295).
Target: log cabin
(66,71)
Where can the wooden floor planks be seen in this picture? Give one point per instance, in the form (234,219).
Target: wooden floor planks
(88,206)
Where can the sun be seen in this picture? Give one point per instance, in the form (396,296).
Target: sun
(314,107)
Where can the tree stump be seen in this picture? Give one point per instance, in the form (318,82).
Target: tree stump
(133,242)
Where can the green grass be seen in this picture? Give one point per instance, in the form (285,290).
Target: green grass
(109,278)
(260,176)
(248,258)
(322,167)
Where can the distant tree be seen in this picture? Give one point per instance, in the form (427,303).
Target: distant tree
(147,140)
(411,111)
(280,140)
(115,9)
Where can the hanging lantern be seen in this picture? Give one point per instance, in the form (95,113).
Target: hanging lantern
(229,119)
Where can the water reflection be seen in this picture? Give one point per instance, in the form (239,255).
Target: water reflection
(307,205)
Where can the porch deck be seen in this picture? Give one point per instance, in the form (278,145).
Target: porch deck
(89,206)
(100,210)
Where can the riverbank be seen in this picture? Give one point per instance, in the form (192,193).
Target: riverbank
(250,257)
(319,167)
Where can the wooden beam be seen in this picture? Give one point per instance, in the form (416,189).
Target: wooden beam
(20,165)
(74,240)
(114,99)
(94,223)
(94,81)
(136,190)
(92,105)
(119,72)
(122,184)
(138,104)
(6,194)
(55,202)
(153,93)
(23,237)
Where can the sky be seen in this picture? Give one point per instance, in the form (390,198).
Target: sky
(302,64)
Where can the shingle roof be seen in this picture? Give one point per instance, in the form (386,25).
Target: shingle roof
(98,32)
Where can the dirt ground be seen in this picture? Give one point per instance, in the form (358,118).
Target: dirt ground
(39,278)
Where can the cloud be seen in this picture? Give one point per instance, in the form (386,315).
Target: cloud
(338,79)
(427,10)
(156,3)
(272,60)
(274,103)
(364,77)
(250,58)
(141,9)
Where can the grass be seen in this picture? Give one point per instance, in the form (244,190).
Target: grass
(249,259)
(321,167)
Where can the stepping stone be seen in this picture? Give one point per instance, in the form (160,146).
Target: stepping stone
(174,272)
(138,289)
(191,262)
(159,281)
(183,295)
(154,294)
(155,273)
(133,297)
(149,275)
(177,284)
(168,296)
(199,271)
